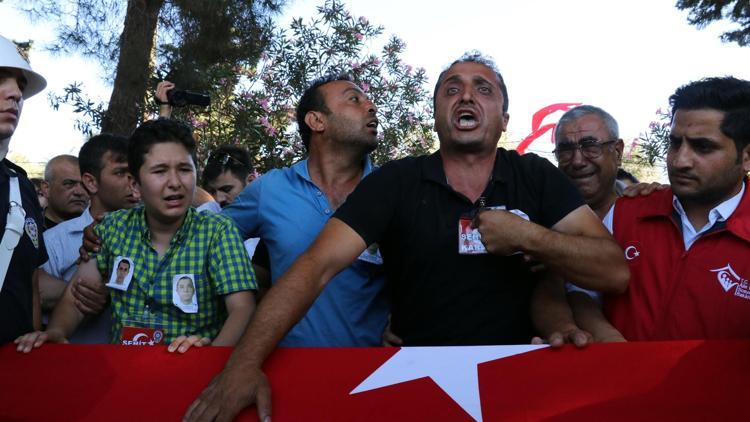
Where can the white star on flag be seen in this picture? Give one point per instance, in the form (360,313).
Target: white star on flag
(453,369)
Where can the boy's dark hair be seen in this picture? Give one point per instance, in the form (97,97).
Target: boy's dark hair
(91,155)
(155,132)
(227,157)
(726,94)
(312,100)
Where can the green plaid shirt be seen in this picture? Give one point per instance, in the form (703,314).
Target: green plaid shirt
(207,245)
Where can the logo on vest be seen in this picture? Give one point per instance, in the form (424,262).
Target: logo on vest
(729,279)
(631,253)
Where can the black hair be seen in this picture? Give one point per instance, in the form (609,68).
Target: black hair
(475,57)
(227,157)
(726,94)
(91,155)
(156,132)
(312,100)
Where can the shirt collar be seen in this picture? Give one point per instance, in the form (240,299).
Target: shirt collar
(719,213)
(178,237)
(433,169)
(300,167)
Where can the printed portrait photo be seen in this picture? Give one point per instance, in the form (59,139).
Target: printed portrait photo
(122,273)
(184,295)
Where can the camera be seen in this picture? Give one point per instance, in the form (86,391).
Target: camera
(182,98)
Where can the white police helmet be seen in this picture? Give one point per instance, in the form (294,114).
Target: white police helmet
(10,57)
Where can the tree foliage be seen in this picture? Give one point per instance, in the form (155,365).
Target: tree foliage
(654,143)
(254,92)
(704,12)
(254,105)
(125,37)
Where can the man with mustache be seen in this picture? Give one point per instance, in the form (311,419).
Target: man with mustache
(444,292)
(22,243)
(66,196)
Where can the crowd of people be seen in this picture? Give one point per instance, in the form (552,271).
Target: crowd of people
(470,245)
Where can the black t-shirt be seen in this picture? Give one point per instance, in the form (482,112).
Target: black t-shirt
(440,297)
(29,254)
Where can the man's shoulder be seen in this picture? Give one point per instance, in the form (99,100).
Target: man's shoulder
(16,168)
(645,204)
(516,160)
(116,220)
(630,210)
(65,228)
(209,219)
(405,164)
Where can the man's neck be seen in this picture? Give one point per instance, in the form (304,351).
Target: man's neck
(336,173)
(52,216)
(4,148)
(601,207)
(697,212)
(468,174)
(162,232)
(96,206)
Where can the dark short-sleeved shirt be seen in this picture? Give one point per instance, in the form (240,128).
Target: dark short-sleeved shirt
(29,254)
(440,297)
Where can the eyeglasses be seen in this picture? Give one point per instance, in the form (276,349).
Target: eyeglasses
(590,148)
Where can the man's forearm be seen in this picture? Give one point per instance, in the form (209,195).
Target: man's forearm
(50,290)
(66,317)
(36,307)
(282,307)
(589,316)
(238,316)
(550,311)
(594,263)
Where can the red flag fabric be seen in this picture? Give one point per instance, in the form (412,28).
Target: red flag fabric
(688,380)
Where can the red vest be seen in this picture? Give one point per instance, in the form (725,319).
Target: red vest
(702,293)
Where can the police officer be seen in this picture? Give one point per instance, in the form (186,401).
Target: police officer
(21,249)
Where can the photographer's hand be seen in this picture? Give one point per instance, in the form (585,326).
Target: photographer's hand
(165,110)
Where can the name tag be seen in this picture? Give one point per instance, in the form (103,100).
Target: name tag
(139,336)
(469,238)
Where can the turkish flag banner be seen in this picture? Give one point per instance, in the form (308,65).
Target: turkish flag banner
(687,380)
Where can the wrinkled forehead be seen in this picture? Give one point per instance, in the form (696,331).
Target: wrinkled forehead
(339,88)
(468,71)
(589,126)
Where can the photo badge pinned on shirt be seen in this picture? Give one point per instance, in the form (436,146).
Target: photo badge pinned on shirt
(469,238)
(184,294)
(122,273)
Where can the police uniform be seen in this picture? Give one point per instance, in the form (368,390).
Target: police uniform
(29,254)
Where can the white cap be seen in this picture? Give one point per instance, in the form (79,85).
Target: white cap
(10,57)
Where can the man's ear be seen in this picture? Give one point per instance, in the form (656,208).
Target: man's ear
(506,118)
(316,121)
(90,183)
(44,188)
(745,158)
(619,148)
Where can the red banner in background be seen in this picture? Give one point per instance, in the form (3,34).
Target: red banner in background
(537,129)
(691,380)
